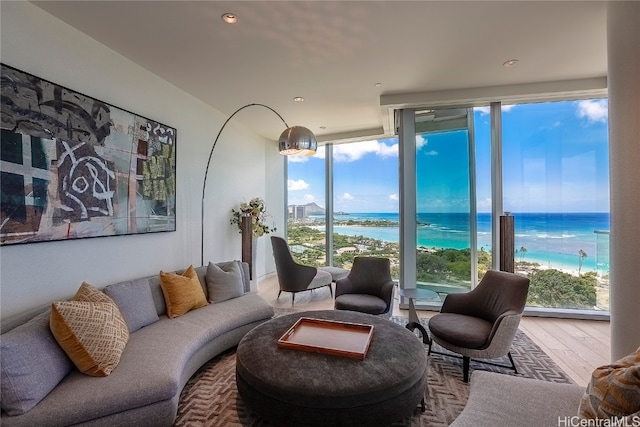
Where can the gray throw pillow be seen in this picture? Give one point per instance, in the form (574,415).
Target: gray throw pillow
(135,301)
(31,365)
(224,281)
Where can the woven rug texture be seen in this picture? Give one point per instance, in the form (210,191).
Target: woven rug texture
(210,398)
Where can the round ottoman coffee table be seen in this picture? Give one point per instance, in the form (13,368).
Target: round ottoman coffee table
(290,387)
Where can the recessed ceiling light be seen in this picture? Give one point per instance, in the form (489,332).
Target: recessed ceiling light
(298,99)
(378,84)
(230,18)
(510,63)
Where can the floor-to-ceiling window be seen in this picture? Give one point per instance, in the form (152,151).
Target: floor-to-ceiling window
(306,208)
(556,184)
(365,201)
(553,179)
(445,223)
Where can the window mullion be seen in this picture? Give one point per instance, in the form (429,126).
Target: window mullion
(328,212)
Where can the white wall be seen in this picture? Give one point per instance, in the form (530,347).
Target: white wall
(32,275)
(623,39)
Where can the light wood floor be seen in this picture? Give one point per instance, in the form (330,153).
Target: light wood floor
(577,346)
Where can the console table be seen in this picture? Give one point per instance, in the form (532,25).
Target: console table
(414,320)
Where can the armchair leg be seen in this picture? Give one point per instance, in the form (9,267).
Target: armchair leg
(293,298)
(465,368)
(513,365)
(466,362)
(279,292)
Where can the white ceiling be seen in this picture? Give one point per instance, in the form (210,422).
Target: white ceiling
(333,53)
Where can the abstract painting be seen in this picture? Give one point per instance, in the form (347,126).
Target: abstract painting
(73,167)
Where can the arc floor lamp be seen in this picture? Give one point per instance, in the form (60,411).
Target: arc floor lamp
(294,141)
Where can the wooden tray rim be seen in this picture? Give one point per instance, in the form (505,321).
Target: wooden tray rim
(327,324)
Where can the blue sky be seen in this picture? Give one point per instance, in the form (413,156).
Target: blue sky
(555,159)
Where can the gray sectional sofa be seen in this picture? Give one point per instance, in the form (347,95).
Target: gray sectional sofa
(159,358)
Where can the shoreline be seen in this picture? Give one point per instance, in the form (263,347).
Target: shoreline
(545,260)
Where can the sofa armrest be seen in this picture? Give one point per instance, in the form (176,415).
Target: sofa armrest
(504,400)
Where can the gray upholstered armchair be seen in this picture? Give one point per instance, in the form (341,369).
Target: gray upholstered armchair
(368,288)
(482,322)
(294,277)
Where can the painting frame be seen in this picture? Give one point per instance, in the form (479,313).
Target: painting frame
(74,167)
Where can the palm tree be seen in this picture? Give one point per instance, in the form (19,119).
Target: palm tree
(523,251)
(581,256)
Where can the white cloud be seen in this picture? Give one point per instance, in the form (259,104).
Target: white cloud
(421,141)
(431,153)
(484,205)
(487,110)
(483,110)
(595,110)
(298,184)
(298,159)
(394,197)
(309,198)
(347,196)
(355,151)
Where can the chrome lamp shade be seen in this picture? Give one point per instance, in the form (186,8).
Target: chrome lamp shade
(297,141)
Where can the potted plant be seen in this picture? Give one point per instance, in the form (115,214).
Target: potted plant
(257,210)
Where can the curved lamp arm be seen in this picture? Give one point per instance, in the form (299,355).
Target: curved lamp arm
(206,172)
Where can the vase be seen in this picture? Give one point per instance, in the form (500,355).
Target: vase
(507,243)
(249,246)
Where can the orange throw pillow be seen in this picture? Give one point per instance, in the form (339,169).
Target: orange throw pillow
(182,292)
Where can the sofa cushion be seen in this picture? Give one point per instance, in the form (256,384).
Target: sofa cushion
(224,281)
(92,334)
(31,365)
(461,330)
(502,400)
(135,302)
(182,292)
(218,319)
(361,302)
(614,390)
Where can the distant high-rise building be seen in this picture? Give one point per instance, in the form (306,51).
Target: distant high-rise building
(297,212)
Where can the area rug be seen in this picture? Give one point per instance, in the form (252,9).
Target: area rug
(210,398)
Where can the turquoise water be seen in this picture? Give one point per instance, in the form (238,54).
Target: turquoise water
(551,239)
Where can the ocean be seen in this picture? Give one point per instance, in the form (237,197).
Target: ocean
(550,239)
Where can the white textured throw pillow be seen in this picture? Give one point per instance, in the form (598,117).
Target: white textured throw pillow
(93,334)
